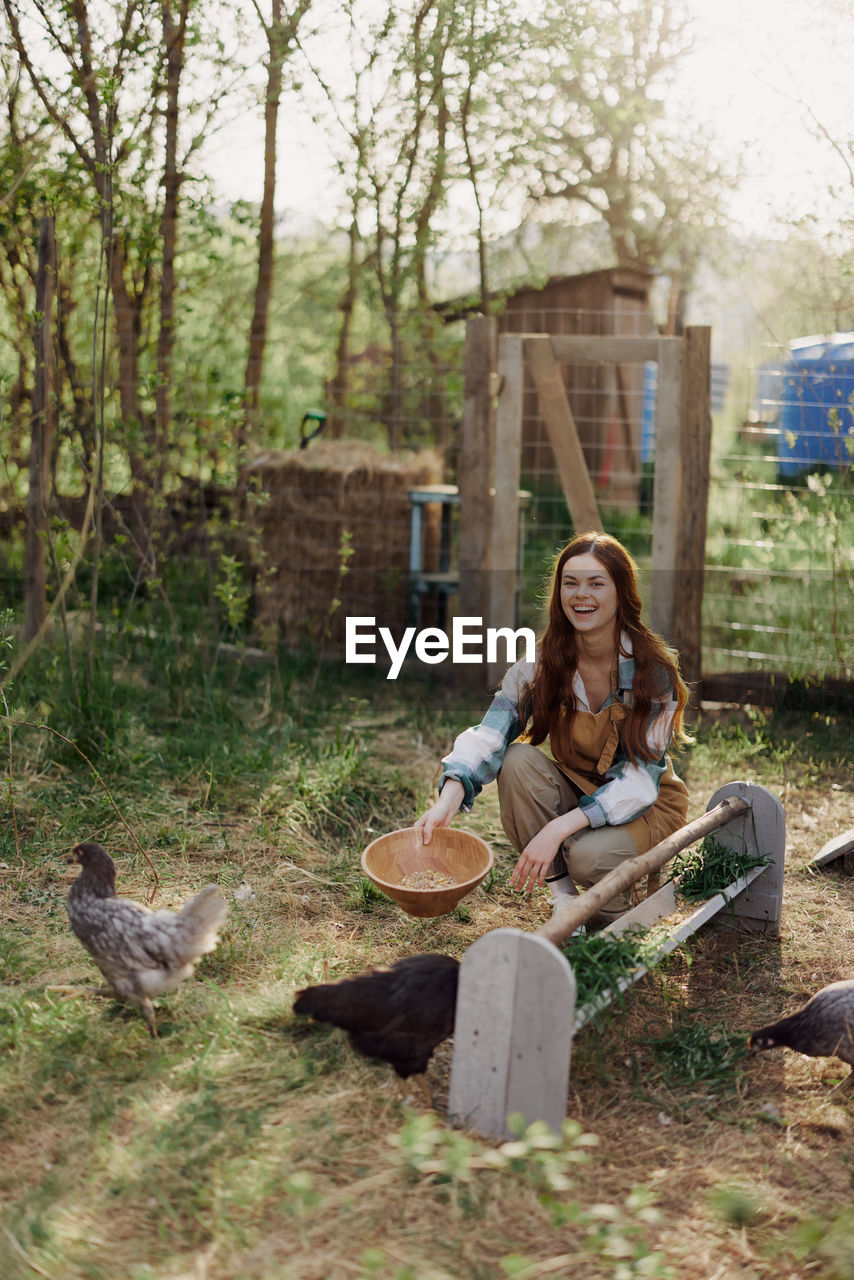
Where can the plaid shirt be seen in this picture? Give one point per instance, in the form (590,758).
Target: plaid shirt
(629,790)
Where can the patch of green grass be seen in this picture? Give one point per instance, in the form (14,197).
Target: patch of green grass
(692,1052)
(17,962)
(735,1205)
(828,1240)
(365,895)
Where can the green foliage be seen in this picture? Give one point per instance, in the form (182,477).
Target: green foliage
(537,1154)
(600,960)
(828,1242)
(232,593)
(784,569)
(710,867)
(691,1052)
(736,1206)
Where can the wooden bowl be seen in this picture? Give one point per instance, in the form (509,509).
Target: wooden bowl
(389,859)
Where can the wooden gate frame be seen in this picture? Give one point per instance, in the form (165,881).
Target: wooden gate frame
(490,465)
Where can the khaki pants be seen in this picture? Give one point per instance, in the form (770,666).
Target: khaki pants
(531,791)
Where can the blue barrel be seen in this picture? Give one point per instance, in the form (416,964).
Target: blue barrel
(816,417)
(719,375)
(650,395)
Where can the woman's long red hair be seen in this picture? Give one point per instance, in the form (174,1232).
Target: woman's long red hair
(657,673)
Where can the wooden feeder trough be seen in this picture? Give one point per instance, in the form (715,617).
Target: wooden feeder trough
(516,1011)
(458,856)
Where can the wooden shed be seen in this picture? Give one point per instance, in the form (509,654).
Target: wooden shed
(606,401)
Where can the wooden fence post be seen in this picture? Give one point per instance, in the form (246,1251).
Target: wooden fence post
(696,443)
(667,487)
(475,464)
(504,526)
(683,435)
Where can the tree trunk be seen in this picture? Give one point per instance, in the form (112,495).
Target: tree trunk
(433,404)
(43,431)
(277,42)
(173,50)
(339,386)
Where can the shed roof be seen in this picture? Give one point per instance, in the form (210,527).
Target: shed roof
(623,281)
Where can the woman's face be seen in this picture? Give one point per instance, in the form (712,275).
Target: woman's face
(588,596)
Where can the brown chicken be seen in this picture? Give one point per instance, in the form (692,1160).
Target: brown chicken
(399,1013)
(824,1027)
(141,953)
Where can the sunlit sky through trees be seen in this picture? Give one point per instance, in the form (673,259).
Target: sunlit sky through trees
(770,77)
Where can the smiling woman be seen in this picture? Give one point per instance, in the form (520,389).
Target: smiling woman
(578,738)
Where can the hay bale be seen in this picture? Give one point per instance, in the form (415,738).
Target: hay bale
(313,501)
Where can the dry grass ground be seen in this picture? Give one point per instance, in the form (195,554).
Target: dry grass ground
(244,1143)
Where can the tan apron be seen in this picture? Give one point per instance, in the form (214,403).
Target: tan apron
(596,740)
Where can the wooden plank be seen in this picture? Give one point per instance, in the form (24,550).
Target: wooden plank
(841,846)
(762,688)
(503,540)
(563,433)
(475,464)
(695,452)
(667,488)
(607,349)
(512,1033)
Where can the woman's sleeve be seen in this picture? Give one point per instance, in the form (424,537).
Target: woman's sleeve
(631,789)
(478,752)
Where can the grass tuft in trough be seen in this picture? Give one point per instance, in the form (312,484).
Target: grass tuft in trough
(600,960)
(709,868)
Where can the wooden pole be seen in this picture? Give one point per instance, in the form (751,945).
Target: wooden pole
(667,488)
(580,909)
(504,525)
(695,450)
(476,463)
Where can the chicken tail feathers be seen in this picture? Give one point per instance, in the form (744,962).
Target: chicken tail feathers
(202,918)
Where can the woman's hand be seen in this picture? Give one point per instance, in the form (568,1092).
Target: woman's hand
(440,814)
(536,857)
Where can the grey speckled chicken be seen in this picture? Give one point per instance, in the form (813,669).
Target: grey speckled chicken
(140,952)
(823,1028)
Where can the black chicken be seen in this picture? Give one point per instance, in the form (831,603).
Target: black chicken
(398,1013)
(140,952)
(824,1027)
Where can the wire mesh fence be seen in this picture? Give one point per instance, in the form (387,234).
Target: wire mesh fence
(779,574)
(779,591)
